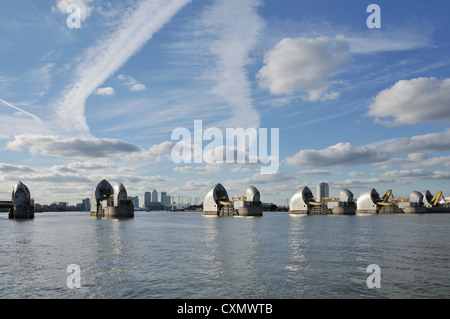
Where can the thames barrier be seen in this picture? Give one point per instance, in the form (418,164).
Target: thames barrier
(21,205)
(113,202)
(369,202)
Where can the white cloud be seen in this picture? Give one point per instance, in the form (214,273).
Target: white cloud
(42,76)
(341,154)
(35,118)
(312,172)
(193,186)
(303,65)
(10,168)
(241,169)
(105,91)
(201,170)
(411,162)
(415,174)
(355,174)
(413,101)
(155,153)
(89,166)
(100,61)
(72,148)
(231,29)
(131,83)
(399,40)
(434,142)
(85,6)
(259,179)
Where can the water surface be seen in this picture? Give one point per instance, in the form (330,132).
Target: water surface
(188,255)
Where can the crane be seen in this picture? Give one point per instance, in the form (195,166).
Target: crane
(331,199)
(385,198)
(393,200)
(436,198)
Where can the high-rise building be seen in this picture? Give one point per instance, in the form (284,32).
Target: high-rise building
(164,198)
(154,196)
(86,204)
(147,200)
(323,190)
(135,200)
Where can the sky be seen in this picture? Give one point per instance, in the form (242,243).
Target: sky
(98,91)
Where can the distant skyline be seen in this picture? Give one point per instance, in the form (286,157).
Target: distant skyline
(356,107)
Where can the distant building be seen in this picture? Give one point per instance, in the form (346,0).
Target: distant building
(86,205)
(135,200)
(155,206)
(154,196)
(323,190)
(163,199)
(147,199)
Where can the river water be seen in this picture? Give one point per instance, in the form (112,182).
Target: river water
(187,255)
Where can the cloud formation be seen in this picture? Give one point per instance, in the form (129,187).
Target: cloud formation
(72,148)
(105,91)
(201,170)
(85,6)
(232,28)
(303,65)
(100,61)
(341,154)
(412,101)
(10,168)
(34,117)
(434,142)
(131,83)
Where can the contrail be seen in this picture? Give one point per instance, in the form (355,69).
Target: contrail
(110,54)
(37,119)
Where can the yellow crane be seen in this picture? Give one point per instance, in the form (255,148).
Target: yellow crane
(389,199)
(331,199)
(435,200)
(399,199)
(386,196)
(384,201)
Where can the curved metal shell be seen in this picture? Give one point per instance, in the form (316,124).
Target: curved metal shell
(427,197)
(299,200)
(367,200)
(20,193)
(120,194)
(253,194)
(416,197)
(215,194)
(101,191)
(23,187)
(346,196)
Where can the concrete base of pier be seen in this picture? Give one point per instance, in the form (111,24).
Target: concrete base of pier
(391,209)
(344,210)
(298,212)
(21,212)
(114,212)
(366,211)
(250,211)
(437,210)
(213,213)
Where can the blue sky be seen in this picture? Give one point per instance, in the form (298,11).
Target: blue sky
(357,107)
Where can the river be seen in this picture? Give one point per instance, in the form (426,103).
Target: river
(158,255)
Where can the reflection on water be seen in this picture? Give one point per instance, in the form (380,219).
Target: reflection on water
(188,255)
